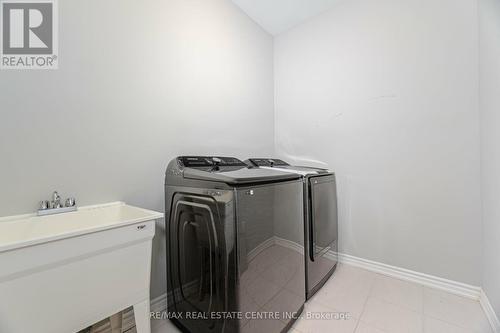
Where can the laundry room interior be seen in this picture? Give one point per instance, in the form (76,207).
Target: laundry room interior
(220,166)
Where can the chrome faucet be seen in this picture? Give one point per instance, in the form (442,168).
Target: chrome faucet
(56,200)
(55,206)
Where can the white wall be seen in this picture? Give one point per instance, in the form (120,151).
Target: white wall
(386,93)
(139,83)
(490,130)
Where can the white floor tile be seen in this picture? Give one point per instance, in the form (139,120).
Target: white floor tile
(364,328)
(382,304)
(398,292)
(263,325)
(391,318)
(330,324)
(347,290)
(456,310)
(432,325)
(351,274)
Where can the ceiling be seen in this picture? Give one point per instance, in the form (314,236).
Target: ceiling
(277,16)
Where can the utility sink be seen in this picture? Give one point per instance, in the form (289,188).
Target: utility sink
(27,230)
(62,273)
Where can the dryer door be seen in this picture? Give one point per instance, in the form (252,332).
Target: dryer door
(323,230)
(197,273)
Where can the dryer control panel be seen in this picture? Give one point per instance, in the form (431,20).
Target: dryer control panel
(268,162)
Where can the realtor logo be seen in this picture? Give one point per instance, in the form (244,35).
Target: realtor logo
(29,34)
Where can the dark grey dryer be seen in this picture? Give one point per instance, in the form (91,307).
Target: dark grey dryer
(320,217)
(234,246)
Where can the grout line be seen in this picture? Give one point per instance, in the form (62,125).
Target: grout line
(423,308)
(357,324)
(395,304)
(329,307)
(453,323)
(366,301)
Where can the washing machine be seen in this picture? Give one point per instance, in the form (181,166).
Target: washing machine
(320,219)
(235,246)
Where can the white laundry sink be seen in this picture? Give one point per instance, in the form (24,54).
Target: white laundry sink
(62,273)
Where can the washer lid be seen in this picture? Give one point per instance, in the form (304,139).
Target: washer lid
(277,164)
(295,170)
(229,170)
(243,175)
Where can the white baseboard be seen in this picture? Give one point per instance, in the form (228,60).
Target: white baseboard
(490,313)
(453,287)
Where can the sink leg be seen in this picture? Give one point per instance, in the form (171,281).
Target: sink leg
(142,317)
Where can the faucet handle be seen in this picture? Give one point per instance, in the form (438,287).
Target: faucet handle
(70,202)
(44,205)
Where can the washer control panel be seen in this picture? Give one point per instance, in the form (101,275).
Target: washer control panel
(268,162)
(209,161)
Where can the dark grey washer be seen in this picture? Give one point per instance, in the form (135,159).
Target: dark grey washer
(234,245)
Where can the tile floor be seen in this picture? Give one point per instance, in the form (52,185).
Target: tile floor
(380,304)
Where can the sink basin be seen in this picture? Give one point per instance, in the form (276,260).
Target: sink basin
(27,230)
